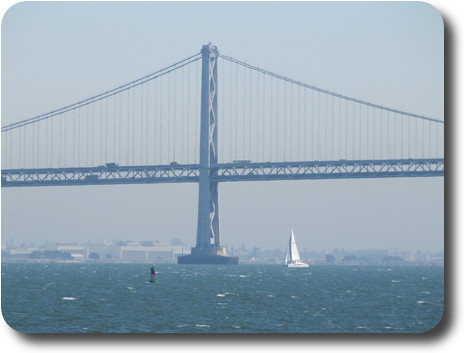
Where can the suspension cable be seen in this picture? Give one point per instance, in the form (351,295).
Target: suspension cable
(355,100)
(105,94)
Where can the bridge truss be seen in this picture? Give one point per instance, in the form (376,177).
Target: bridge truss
(226,172)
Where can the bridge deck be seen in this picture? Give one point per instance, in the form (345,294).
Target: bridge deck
(243,171)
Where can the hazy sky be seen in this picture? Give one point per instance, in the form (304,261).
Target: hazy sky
(54,54)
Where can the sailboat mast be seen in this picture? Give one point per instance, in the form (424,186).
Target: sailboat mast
(290,245)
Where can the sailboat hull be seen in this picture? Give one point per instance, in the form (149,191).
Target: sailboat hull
(297,264)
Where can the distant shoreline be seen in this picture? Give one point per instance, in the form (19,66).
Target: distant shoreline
(254,263)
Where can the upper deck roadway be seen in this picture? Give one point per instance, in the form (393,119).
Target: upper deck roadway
(112,174)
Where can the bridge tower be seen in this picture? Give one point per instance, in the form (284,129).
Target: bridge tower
(208,249)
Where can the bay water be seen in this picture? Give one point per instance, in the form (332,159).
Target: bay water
(117,298)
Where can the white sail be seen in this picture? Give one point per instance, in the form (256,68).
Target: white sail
(292,257)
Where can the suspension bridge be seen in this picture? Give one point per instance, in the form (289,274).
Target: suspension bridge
(211,118)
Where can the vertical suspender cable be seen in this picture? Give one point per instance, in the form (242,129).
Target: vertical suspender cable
(32,146)
(9,149)
(236,112)
(257,103)
(188,115)
(78,141)
(346,129)
(133,126)
(409,139)
(291,117)
(284,139)
(319,127)
(230,113)
(422,138)
(47,138)
(368,145)
(142,120)
(374,129)
(273,114)
(170,116)
(305,122)
(381,133)
(250,100)
(263,126)
(60,128)
(127,126)
(101,131)
(388,134)
(92,130)
(313,138)
(243,130)
(332,128)
(155,122)
(25,141)
(340,128)
(431,152)
(353,137)
(86,132)
(182,115)
(298,129)
(174,113)
(107,130)
(147,122)
(360,125)
(120,127)
(161,116)
(52,136)
(133,120)
(326,134)
(416,147)
(20,149)
(197,113)
(118,132)
(318,130)
(395,136)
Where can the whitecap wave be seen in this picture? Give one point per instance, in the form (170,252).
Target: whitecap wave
(422,302)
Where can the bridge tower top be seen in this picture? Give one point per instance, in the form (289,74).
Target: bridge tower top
(210,50)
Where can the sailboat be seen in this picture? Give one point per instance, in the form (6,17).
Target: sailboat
(292,257)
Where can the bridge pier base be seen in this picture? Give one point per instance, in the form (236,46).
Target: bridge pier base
(209,255)
(207,260)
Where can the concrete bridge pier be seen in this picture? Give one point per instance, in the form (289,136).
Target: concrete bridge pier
(208,249)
